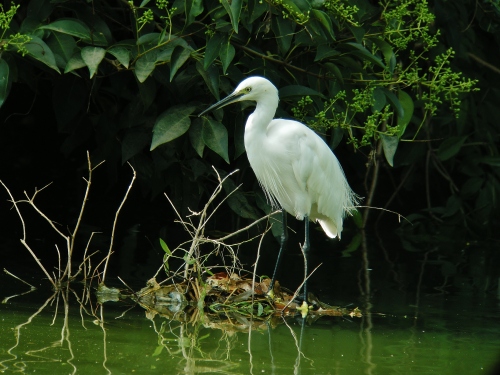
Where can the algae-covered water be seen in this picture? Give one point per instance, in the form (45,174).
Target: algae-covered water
(432,334)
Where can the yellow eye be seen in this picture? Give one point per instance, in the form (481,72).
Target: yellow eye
(248,89)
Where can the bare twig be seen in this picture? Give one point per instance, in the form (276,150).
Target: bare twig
(256,263)
(115,221)
(296,293)
(80,215)
(17,208)
(179,216)
(31,202)
(83,265)
(386,210)
(200,229)
(248,226)
(374,181)
(484,63)
(18,278)
(23,240)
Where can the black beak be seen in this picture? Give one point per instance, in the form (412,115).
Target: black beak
(234,97)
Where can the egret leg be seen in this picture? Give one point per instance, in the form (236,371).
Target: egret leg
(305,249)
(284,239)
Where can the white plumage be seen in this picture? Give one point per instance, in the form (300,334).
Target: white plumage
(295,167)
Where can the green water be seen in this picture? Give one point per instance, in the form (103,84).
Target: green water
(443,335)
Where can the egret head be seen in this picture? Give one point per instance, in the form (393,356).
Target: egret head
(252,88)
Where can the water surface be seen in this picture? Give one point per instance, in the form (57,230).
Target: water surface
(443,334)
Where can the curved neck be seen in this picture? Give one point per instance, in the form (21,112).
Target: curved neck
(263,114)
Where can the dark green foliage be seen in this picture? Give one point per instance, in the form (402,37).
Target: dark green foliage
(129,78)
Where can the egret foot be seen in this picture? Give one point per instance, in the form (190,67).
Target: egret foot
(304,309)
(312,301)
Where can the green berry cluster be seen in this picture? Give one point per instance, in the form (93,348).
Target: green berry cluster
(342,11)
(16,41)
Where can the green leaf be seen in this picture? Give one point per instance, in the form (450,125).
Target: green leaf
(149,40)
(239,139)
(378,100)
(334,69)
(453,205)
(211,78)
(337,136)
(358,32)
(212,50)
(362,52)
(296,6)
(275,220)
(471,187)
(40,51)
(78,29)
(256,8)
(93,57)
(188,261)
(122,54)
(284,31)
(260,309)
(408,107)
(393,99)
(351,64)
(357,218)
(226,55)
(325,51)
(171,124)
(100,32)
(353,246)
(238,202)
(4,81)
(166,50)
(325,20)
(71,27)
(147,93)
(165,247)
(63,46)
(75,62)
(197,166)
(193,9)
(234,11)
(144,66)
(39,10)
(29,26)
(196,136)
(450,147)
(389,145)
(387,51)
(179,56)
(216,138)
(297,90)
(494,161)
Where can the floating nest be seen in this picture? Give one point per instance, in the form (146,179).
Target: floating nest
(228,302)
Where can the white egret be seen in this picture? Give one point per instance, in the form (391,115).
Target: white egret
(297,170)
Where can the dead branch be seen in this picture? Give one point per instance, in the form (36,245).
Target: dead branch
(23,240)
(115,221)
